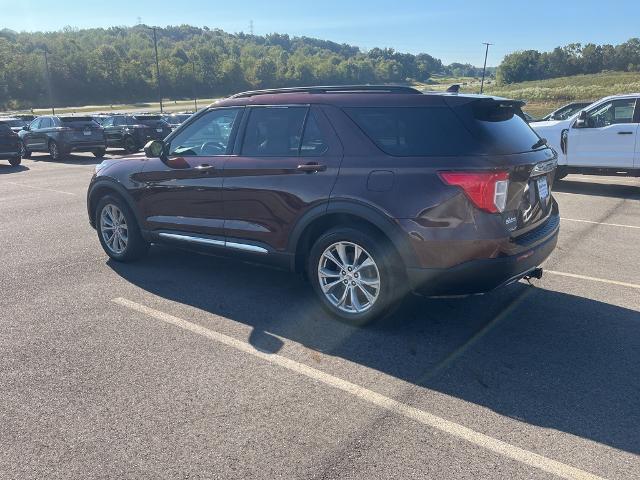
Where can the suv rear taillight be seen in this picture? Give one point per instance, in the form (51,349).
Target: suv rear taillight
(487,190)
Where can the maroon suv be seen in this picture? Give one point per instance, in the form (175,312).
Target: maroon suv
(371,192)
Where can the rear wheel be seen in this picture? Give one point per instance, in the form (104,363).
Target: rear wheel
(54,151)
(352,275)
(118,230)
(24,153)
(130,145)
(99,153)
(15,161)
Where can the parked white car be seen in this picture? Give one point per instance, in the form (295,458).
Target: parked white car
(600,139)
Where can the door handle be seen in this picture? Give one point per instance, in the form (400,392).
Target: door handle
(204,168)
(312,167)
(625,133)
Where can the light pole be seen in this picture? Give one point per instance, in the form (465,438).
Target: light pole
(46,65)
(195,96)
(155,48)
(484,68)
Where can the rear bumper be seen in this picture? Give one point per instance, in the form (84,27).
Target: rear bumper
(481,276)
(84,147)
(9,154)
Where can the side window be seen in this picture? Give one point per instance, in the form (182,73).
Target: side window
(45,123)
(274,131)
(208,135)
(612,113)
(119,121)
(108,122)
(313,143)
(35,124)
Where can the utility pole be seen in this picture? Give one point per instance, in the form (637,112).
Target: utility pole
(46,65)
(251,27)
(195,96)
(484,68)
(155,47)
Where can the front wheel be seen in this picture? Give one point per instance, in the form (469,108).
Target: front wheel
(118,230)
(99,153)
(24,153)
(15,161)
(353,276)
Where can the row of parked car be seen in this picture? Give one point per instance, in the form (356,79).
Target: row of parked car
(59,135)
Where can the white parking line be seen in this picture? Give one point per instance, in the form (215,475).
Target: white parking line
(593,279)
(600,223)
(484,441)
(40,188)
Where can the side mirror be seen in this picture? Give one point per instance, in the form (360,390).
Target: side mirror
(581,122)
(154,149)
(25,127)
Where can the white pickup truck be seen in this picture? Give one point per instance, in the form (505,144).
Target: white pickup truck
(601,139)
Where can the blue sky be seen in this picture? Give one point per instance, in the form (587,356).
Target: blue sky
(450,30)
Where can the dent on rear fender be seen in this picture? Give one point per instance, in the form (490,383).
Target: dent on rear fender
(448,214)
(450,233)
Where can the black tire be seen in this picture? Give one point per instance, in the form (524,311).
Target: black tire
(389,293)
(99,153)
(136,245)
(55,152)
(15,161)
(129,145)
(560,173)
(24,153)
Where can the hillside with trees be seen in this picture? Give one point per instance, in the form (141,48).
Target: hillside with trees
(572,59)
(98,66)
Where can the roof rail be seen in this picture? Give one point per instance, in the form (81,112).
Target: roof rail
(332,89)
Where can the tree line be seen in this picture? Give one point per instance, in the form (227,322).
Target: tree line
(572,59)
(117,64)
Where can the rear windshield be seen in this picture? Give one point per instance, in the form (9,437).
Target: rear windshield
(472,129)
(79,121)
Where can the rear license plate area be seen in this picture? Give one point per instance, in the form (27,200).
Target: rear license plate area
(543,187)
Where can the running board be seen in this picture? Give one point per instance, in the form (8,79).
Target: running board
(212,242)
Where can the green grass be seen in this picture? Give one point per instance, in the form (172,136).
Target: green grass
(168,106)
(544,96)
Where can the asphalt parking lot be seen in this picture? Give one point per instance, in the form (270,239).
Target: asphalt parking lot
(189,366)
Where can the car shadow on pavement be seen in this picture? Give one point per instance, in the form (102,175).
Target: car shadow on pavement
(555,360)
(11,169)
(615,190)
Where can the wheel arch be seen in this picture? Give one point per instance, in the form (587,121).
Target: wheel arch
(108,187)
(346,213)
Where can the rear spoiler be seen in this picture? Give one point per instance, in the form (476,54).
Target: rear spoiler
(456,101)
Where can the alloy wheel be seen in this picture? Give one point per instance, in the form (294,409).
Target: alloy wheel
(349,277)
(53,150)
(114,229)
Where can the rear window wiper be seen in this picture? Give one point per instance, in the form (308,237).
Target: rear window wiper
(539,143)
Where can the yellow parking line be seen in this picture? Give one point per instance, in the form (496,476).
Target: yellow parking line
(455,429)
